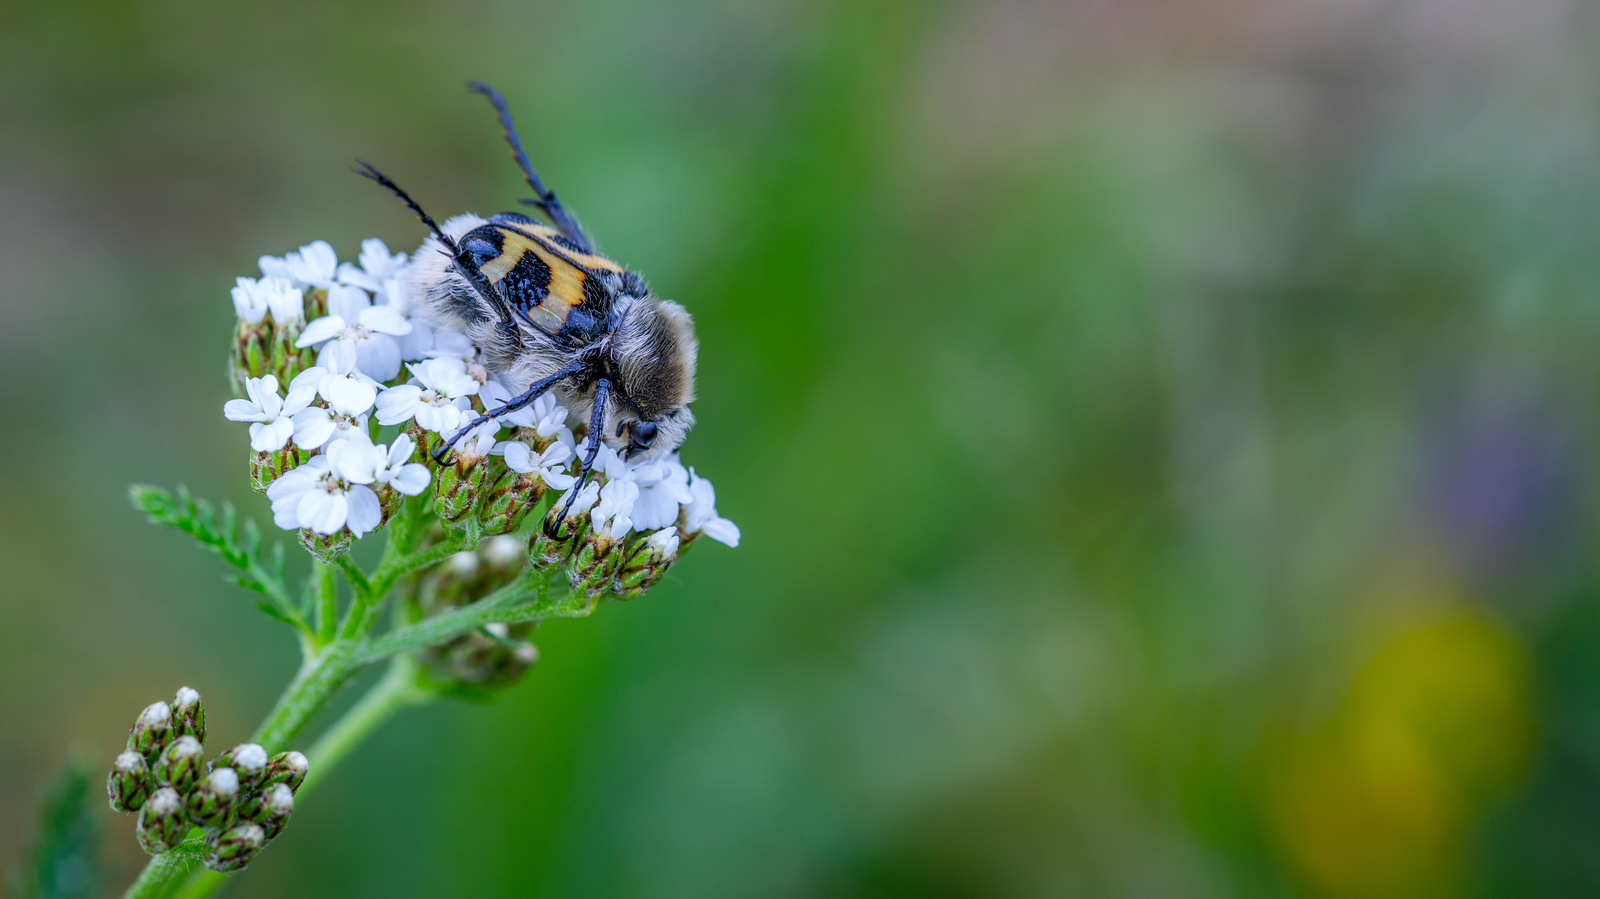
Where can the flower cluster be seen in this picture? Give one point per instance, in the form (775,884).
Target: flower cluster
(242,799)
(329,357)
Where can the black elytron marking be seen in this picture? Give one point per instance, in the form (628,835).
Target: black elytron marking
(527,283)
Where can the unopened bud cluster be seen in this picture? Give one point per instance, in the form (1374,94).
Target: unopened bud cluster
(241,800)
(480,663)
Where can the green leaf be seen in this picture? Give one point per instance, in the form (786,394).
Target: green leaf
(221,533)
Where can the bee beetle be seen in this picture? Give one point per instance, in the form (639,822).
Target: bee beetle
(550,313)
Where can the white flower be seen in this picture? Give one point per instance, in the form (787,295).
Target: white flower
(312,496)
(664,542)
(480,441)
(366,328)
(581,503)
(346,389)
(436,398)
(610,516)
(377,266)
(252,299)
(701,513)
(551,465)
(663,486)
(550,417)
(363,463)
(273,416)
(317,426)
(312,266)
(249,302)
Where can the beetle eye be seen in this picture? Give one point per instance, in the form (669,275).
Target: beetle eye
(644,433)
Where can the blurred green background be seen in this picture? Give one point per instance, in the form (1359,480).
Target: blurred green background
(1163,435)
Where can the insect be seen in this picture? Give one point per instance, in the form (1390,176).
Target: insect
(549,312)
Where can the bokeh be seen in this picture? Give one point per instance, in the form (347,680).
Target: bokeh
(1163,434)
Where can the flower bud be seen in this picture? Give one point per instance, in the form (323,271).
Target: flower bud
(327,547)
(647,562)
(234,848)
(287,768)
(129,783)
(212,798)
(152,731)
(457,486)
(251,354)
(479,664)
(248,761)
(267,467)
(188,715)
(544,552)
(594,563)
(509,497)
(270,808)
(161,822)
(180,766)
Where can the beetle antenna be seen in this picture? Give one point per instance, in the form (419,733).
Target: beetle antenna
(463,262)
(546,201)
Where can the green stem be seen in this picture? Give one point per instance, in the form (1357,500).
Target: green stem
(509,604)
(397,690)
(319,678)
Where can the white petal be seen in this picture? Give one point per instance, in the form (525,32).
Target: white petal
(384,320)
(312,427)
(378,357)
(398,404)
(664,541)
(322,511)
(400,450)
(301,392)
(338,357)
(417,343)
(347,302)
(286,511)
(365,513)
(267,437)
(438,418)
(314,264)
(242,410)
(518,457)
(287,302)
(378,261)
(557,480)
(354,461)
(307,379)
(248,303)
(297,480)
(273,267)
(410,479)
(349,274)
(347,395)
(324,328)
(722,530)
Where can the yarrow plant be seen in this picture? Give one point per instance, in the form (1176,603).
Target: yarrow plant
(344,388)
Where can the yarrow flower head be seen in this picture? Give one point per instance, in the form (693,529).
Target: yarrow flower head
(367,362)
